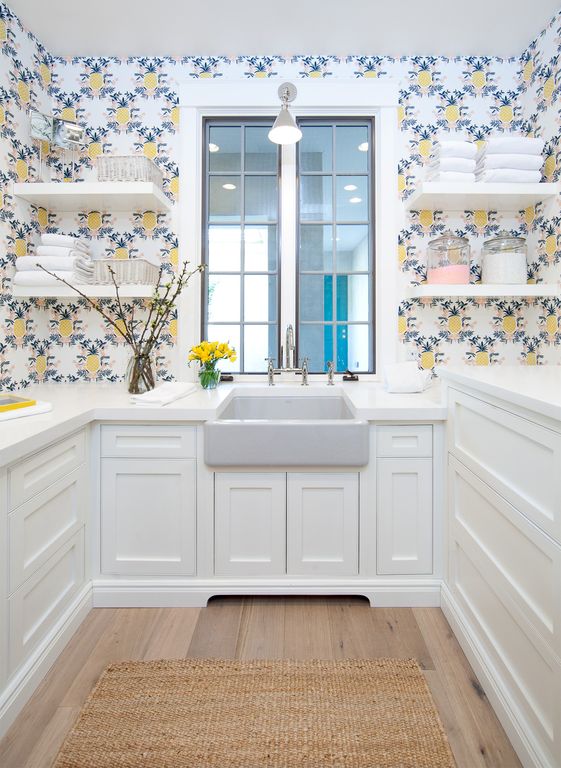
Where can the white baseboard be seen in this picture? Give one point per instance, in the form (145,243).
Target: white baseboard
(529,752)
(119,593)
(22,686)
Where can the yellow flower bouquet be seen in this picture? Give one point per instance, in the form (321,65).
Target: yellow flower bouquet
(208,354)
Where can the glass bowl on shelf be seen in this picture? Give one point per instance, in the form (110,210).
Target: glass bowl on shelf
(448,260)
(504,260)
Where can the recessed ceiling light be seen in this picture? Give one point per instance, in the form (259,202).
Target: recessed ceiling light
(213,147)
(363,147)
(350,187)
(355,200)
(228,186)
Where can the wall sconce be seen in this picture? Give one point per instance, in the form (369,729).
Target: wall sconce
(285,130)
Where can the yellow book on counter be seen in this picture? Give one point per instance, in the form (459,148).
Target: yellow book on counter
(9,402)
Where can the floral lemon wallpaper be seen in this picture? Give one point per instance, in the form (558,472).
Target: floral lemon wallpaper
(132,106)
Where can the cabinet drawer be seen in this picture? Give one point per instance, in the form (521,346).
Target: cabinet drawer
(404,441)
(40,602)
(39,527)
(521,562)
(517,457)
(37,472)
(148,442)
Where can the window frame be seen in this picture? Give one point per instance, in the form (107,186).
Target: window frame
(345,97)
(230,120)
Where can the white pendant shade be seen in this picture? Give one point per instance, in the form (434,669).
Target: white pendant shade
(285,130)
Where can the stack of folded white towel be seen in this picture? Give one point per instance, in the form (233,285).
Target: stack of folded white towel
(511,160)
(453,159)
(66,256)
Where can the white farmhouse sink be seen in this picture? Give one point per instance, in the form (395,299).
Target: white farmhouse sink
(286,430)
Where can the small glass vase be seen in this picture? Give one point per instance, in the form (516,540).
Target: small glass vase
(140,375)
(209,378)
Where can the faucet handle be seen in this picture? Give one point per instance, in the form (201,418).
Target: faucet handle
(330,366)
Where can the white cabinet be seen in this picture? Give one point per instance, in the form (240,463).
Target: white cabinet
(322,524)
(404,514)
(148,516)
(250,524)
(271,524)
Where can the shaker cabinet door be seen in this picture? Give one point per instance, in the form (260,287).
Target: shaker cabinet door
(148,517)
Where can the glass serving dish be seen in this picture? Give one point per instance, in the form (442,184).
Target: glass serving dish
(448,260)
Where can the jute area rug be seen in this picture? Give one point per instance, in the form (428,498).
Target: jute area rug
(203,713)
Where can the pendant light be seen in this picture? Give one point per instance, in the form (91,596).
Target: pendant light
(285,130)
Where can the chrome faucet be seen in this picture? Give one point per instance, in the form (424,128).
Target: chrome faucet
(330,372)
(270,371)
(289,348)
(305,372)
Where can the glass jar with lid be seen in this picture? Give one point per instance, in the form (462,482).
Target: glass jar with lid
(448,260)
(504,260)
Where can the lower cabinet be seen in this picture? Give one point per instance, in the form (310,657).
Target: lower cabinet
(404,514)
(273,524)
(148,516)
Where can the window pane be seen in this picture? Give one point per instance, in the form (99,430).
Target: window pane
(353,348)
(352,198)
(260,153)
(351,148)
(260,298)
(316,198)
(315,148)
(316,297)
(224,249)
(224,198)
(260,245)
(223,298)
(260,342)
(316,248)
(261,198)
(352,248)
(352,297)
(316,343)
(224,148)
(231,335)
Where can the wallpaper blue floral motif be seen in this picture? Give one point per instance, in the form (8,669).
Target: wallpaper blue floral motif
(131,105)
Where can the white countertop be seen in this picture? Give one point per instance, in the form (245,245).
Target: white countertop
(75,405)
(534,388)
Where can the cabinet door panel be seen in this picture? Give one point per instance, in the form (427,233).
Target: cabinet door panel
(148,517)
(250,524)
(404,514)
(323,524)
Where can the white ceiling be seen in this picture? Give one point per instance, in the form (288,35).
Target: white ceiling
(286,27)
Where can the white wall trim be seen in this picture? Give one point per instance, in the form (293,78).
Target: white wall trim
(356,97)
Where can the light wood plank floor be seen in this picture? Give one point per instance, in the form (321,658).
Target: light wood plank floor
(250,628)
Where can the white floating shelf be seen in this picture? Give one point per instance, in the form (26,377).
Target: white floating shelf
(447,196)
(126,291)
(104,196)
(480,290)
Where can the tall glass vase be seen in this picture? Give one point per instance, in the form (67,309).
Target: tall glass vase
(140,375)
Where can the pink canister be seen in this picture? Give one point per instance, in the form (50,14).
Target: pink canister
(448,260)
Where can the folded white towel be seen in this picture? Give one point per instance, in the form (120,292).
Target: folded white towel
(455,148)
(46,251)
(64,241)
(519,162)
(40,278)
(516,145)
(509,176)
(84,263)
(451,176)
(26,263)
(405,377)
(80,277)
(460,164)
(164,394)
